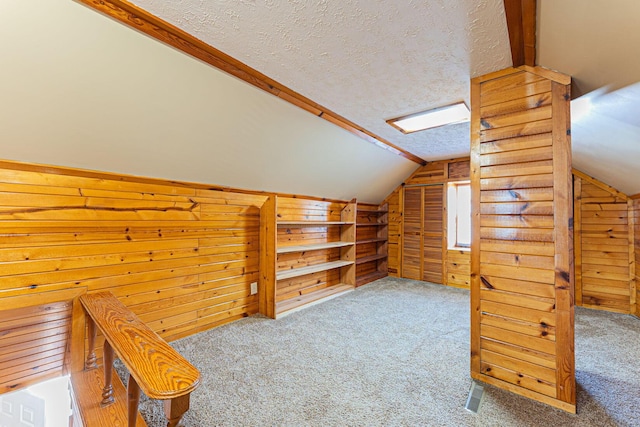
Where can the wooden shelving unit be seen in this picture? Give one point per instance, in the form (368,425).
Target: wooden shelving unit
(307,252)
(371,243)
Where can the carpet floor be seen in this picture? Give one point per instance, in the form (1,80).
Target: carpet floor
(392,353)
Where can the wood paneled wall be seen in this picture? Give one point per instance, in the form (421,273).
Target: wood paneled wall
(180,256)
(425,192)
(604,246)
(635,204)
(522,250)
(34,343)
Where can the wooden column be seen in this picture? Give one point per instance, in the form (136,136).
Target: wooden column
(522,278)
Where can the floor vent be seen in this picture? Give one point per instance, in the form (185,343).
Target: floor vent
(475,398)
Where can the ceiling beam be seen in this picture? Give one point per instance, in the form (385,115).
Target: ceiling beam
(521,23)
(164,32)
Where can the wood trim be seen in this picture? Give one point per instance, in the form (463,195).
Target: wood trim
(577,237)
(632,257)
(164,32)
(529,16)
(600,184)
(563,238)
(548,74)
(513,14)
(475,229)
(521,24)
(266,285)
(495,75)
(445,227)
(525,392)
(422,219)
(401,237)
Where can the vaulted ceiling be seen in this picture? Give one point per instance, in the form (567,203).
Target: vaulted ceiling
(373,60)
(366,60)
(83,90)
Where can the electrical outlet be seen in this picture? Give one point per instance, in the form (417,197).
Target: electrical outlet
(254,288)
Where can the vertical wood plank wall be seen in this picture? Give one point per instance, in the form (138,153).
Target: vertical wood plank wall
(450,267)
(522,251)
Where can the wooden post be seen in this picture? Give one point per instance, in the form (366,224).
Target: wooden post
(107,366)
(175,408)
(133,398)
(91,350)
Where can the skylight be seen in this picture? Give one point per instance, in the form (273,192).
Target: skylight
(442,116)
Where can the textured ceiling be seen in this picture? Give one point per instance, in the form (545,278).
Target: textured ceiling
(368,60)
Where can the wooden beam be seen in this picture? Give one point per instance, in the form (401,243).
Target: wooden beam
(164,32)
(521,24)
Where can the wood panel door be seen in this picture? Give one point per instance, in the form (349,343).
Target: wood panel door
(423,233)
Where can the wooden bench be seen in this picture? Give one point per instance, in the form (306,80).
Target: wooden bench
(154,366)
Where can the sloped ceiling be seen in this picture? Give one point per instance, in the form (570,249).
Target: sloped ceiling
(367,60)
(598,43)
(78,89)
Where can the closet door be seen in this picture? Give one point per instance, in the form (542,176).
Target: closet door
(412,234)
(432,234)
(423,233)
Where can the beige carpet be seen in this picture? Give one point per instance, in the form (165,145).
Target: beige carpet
(392,353)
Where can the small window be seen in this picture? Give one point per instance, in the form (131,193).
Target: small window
(459,221)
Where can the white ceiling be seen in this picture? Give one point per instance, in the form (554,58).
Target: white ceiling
(598,43)
(82,90)
(367,60)
(79,89)
(371,60)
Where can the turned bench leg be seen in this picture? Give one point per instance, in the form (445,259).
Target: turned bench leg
(90,363)
(107,391)
(175,408)
(133,398)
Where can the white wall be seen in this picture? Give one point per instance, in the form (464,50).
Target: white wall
(79,89)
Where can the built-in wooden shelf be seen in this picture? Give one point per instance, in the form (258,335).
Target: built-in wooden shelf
(312,247)
(291,246)
(312,223)
(376,240)
(370,277)
(371,243)
(314,296)
(309,269)
(370,258)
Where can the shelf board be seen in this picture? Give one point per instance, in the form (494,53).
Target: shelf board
(362,280)
(314,296)
(381,211)
(312,223)
(370,258)
(378,239)
(316,268)
(371,223)
(312,247)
